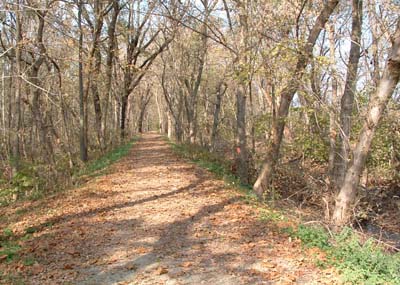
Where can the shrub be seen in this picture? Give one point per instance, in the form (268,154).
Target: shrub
(358,262)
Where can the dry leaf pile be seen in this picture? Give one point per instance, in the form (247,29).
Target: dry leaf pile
(156,219)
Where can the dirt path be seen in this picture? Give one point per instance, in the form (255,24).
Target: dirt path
(157,219)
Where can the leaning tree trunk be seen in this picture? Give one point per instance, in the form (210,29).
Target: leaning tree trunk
(376,107)
(278,125)
(347,101)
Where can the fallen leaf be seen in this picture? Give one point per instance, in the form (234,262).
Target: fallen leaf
(187,264)
(142,250)
(268,264)
(161,271)
(68,266)
(131,267)
(37,269)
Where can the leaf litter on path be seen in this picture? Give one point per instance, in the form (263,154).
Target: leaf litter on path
(157,219)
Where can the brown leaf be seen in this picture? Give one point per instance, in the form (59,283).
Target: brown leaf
(187,264)
(268,264)
(142,250)
(94,261)
(131,267)
(162,270)
(68,266)
(37,269)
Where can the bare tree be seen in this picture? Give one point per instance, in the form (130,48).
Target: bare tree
(347,100)
(144,41)
(82,99)
(266,174)
(376,106)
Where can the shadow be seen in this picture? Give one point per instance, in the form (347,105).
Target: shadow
(146,157)
(196,233)
(62,219)
(166,246)
(190,259)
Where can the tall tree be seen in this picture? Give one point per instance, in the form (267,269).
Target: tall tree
(18,87)
(144,40)
(242,74)
(347,100)
(376,106)
(82,101)
(266,174)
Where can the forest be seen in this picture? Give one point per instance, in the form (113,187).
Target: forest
(295,99)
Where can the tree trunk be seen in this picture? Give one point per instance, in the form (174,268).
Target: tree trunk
(333,105)
(265,177)
(347,101)
(109,64)
(241,150)
(141,119)
(144,101)
(161,124)
(96,102)
(45,143)
(217,110)
(376,107)
(82,103)
(373,23)
(18,87)
(169,126)
(124,108)
(9,110)
(94,70)
(3,107)
(266,174)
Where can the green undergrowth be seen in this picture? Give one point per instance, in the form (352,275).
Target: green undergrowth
(358,262)
(26,184)
(10,247)
(11,244)
(214,163)
(33,182)
(98,166)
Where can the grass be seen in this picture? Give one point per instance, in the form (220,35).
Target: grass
(31,182)
(9,249)
(11,279)
(358,262)
(97,166)
(271,215)
(214,163)
(10,244)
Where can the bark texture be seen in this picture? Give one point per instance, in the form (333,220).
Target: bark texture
(278,125)
(347,102)
(377,104)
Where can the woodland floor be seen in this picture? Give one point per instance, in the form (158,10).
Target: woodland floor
(156,219)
